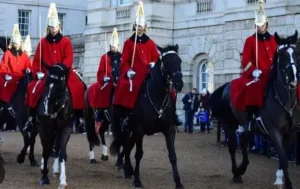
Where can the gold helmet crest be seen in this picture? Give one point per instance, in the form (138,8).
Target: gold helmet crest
(114,40)
(16,36)
(261,17)
(140,15)
(52,18)
(27,45)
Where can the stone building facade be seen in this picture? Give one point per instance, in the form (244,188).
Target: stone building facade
(210,33)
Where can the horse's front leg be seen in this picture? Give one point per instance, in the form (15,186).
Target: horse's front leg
(128,145)
(170,140)
(119,162)
(138,156)
(283,162)
(32,160)
(92,158)
(104,155)
(1,142)
(45,135)
(21,156)
(65,136)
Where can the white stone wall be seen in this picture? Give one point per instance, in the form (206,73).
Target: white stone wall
(217,36)
(75,11)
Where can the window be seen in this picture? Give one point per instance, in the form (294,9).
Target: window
(124,2)
(206,76)
(24,18)
(61,17)
(86,20)
(204,6)
(251,2)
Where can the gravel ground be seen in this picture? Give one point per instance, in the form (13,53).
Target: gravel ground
(202,165)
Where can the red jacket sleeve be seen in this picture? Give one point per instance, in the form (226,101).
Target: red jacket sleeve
(126,58)
(4,63)
(68,53)
(248,58)
(36,60)
(154,52)
(102,67)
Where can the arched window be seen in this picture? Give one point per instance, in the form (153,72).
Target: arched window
(206,76)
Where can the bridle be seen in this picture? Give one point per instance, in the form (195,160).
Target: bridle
(57,100)
(290,104)
(169,83)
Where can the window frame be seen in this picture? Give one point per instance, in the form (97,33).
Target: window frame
(22,30)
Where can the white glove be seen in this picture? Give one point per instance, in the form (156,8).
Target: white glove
(256,73)
(151,64)
(190,101)
(130,74)
(8,77)
(106,79)
(40,75)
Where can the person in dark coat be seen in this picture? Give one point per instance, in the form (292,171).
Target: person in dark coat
(191,104)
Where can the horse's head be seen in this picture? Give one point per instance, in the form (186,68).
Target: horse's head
(55,89)
(171,65)
(287,65)
(4,42)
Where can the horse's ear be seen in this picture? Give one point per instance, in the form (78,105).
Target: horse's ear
(294,37)
(277,38)
(177,47)
(159,48)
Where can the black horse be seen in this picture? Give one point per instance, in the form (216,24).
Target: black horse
(53,119)
(153,113)
(105,114)
(280,111)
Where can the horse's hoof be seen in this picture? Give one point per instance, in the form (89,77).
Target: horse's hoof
(237,179)
(93,161)
(2,160)
(44,181)
(20,158)
(179,187)
(279,186)
(137,184)
(34,164)
(2,173)
(62,186)
(104,158)
(119,167)
(128,176)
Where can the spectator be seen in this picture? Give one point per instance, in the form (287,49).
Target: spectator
(204,103)
(190,102)
(202,115)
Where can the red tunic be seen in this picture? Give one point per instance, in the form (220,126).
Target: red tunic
(242,95)
(98,95)
(14,63)
(146,52)
(57,49)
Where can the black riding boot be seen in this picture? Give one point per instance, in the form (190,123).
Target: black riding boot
(253,115)
(79,115)
(30,124)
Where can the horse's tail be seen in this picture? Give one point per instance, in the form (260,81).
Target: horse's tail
(90,125)
(219,106)
(115,146)
(119,135)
